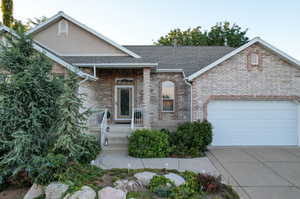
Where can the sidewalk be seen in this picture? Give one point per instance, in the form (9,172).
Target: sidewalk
(119,159)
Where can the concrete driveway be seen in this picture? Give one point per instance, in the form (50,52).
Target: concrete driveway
(260,172)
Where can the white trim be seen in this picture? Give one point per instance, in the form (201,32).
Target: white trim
(116,64)
(169,70)
(62,62)
(116,100)
(298,122)
(97,34)
(234,52)
(94,54)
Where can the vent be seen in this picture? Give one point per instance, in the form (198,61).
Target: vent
(63,27)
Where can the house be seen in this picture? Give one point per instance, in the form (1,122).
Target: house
(250,94)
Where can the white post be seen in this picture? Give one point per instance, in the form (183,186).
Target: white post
(298,122)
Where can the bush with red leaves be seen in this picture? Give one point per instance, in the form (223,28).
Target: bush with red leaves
(210,183)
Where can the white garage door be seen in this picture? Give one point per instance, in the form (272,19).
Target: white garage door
(253,122)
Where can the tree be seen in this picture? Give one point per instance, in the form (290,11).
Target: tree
(28,104)
(222,34)
(7,12)
(35,21)
(70,126)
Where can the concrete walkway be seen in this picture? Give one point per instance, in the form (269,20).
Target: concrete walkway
(119,159)
(260,172)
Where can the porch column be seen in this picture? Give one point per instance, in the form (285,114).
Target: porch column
(146,97)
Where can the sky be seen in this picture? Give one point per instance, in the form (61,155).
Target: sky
(144,21)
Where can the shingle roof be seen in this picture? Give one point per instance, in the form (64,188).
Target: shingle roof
(188,58)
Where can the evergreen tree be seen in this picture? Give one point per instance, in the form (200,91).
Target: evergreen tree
(7,12)
(28,104)
(71,125)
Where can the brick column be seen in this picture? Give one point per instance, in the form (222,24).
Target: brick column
(146,97)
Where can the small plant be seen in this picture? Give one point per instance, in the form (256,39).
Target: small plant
(209,183)
(148,143)
(160,183)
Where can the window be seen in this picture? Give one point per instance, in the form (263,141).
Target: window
(168,96)
(254,59)
(63,27)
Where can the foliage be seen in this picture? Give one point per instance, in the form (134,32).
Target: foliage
(148,143)
(70,126)
(191,182)
(194,138)
(28,104)
(7,12)
(209,183)
(46,169)
(35,21)
(161,186)
(222,34)
(77,175)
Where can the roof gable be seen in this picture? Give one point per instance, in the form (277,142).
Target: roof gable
(52,55)
(62,15)
(278,52)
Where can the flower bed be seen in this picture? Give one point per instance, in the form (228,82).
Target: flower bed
(85,181)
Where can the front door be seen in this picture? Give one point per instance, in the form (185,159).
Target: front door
(124,102)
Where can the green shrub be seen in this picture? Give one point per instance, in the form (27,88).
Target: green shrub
(46,169)
(148,143)
(161,186)
(194,138)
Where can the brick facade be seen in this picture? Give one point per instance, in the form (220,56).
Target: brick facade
(273,79)
(101,94)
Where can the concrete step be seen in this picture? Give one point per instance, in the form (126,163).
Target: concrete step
(117,140)
(115,147)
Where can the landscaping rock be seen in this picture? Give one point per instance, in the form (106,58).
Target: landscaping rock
(130,185)
(55,190)
(176,179)
(111,193)
(84,193)
(144,177)
(34,192)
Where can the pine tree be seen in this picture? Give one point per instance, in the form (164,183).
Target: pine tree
(7,12)
(28,104)
(71,139)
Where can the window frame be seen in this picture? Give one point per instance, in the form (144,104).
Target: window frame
(163,99)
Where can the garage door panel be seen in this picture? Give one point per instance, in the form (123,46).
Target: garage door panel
(253,122)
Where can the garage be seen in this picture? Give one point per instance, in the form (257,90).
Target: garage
(253,122)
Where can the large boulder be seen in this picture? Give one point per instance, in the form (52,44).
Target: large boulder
(55,190)
(84,193)
(34,192)
(144,177)
(176,179)
(130,185)
(111,193)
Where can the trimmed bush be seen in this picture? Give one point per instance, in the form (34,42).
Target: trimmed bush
(148,143)
(191,138)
